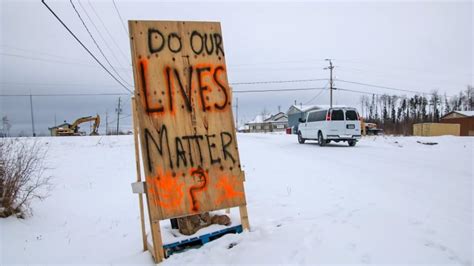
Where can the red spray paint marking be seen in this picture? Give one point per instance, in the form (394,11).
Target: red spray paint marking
(227,185)
(202,179)
(166,191)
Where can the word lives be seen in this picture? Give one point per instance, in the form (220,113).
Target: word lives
(204,79)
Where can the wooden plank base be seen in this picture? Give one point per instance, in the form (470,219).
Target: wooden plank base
(169,249)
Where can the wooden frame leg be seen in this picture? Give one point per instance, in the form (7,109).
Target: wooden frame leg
(157,241)
(139,173)
(244,217)
(157,248)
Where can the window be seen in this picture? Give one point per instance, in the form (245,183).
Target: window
(317,116)
(321,115)
(311,117)
(280,126)
(259,127)
(351,115)
(337,115)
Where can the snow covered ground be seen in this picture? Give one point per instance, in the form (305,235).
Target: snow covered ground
(389,200)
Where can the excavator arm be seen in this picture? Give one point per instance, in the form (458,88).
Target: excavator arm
(95,127)
(96,119)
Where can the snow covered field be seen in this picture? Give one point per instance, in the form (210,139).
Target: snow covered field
(389,200)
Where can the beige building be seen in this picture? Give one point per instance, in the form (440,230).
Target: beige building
(270,123)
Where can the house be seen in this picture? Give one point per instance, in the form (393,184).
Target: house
(295,112)
(268,123)
(464,118)
(54,130)
(244,129)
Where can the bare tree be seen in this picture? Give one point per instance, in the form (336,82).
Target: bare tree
(435,101)
(469,104)
(22,176)
(6,125)
(447,107)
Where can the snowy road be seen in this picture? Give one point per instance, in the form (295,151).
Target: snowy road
(387,200)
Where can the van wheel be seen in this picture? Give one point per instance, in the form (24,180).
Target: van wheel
(352,143)
(301,140)
(321,140)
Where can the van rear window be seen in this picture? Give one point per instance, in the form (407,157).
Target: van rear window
(351,115)
(337,115)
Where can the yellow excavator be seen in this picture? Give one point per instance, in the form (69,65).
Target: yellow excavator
(73,130)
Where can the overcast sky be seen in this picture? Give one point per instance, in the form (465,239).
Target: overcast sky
(418,46)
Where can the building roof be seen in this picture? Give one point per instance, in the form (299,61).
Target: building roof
(259,119)
(278,117)
(462,113)
(466,113)
(305,108)
(268,118)
(244,127)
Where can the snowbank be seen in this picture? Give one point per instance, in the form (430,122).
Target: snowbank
(387,200)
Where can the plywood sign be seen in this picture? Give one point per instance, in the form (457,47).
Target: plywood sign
(184,109)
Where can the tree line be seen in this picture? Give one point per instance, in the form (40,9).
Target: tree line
(396,114)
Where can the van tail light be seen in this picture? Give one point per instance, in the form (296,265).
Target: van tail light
(328,117)
(359,117)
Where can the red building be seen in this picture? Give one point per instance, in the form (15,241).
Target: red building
(464,118)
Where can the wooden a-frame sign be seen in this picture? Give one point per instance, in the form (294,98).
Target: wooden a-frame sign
(183,121)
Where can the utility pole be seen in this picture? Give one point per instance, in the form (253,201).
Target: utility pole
(119,110)
(237,113)
(330,67)
(106,123)
(32,116)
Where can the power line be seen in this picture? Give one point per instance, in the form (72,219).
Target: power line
(29,84)
(238,91)
(98,31)
(120,94)
(406,68)
(317,95)
(64,94)
(278,90)
(357,91)
(274,81)
(96,44)
(391,75)
(122,117)
(267,69)
(34,58)
(107,31)
(43,59)
(34,52)
(275,62)
(83,46)
(120,18)
(378,86)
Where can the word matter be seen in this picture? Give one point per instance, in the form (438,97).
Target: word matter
(177,150)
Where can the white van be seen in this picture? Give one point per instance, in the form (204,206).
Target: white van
(326,125)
